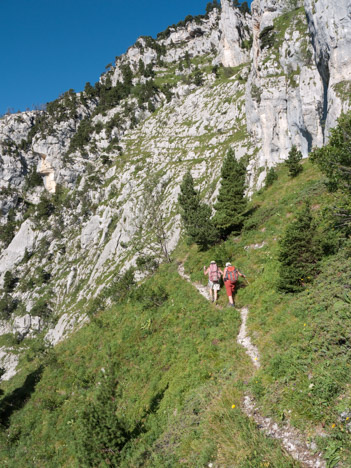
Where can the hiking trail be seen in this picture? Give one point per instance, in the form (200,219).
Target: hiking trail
(292,440)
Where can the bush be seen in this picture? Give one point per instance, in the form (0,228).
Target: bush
(10,282)
(45,208)
(198,77)
(270,177)
(7,306)
(100,435)
(151,298)
(121,286)
(41,308)
(7,231)
(147,263)
(267,37)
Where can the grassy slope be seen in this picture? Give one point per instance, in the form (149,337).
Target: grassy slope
(304,339)
(180,370)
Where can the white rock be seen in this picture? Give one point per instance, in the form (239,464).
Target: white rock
(14,253)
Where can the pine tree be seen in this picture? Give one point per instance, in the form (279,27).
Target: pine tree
(270,177)
(334,159)
(196,215)
(99,434)
(198,77)
(293,162)
(231,202)
(299,253)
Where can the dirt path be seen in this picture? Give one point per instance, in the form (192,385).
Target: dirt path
(292,440)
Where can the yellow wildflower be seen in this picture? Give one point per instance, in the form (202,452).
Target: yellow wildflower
(333,425)
(233,406)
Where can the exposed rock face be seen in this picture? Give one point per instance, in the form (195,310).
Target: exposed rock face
(330,27)
(233,34)
(300,88)
(46,170)
(22,242)
(65,325)
(8,361)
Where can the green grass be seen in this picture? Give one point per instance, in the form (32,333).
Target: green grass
(180,370)
(304,339)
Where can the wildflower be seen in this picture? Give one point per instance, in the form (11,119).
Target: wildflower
(333,425)
(304,324)
(347,418)
(233,406)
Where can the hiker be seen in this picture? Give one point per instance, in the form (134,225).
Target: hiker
(230,277)
(214,274)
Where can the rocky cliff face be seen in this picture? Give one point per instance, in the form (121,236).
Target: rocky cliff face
(258,84)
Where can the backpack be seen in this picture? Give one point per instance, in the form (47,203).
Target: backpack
(232,275)
(213,276)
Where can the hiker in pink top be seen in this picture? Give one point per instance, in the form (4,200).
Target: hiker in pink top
(214,274)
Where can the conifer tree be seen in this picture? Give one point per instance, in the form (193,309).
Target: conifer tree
(293,162)
(196,215)
(299,253)
(270,177)
(99,434)
(231,202)
(334,159)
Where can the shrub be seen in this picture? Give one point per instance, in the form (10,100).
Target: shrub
(7,306)
(45,208)
(198,77)
(270,177)
(41,308)
(100,435)
(147,263)
(9,282)
(120,286)
(267,37)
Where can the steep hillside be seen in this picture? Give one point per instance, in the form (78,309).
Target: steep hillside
(164,363)
(91,233)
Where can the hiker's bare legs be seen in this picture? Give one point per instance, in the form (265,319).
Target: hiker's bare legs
(231,302)
(215,293)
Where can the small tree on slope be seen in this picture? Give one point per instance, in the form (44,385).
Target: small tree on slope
(293,162)
(299,253)
(99,434)
(334,159)
(196,215)
(231,202)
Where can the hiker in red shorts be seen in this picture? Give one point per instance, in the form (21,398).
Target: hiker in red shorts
(230,277)
(214,274)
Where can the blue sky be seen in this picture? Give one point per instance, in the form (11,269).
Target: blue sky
(50,46)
